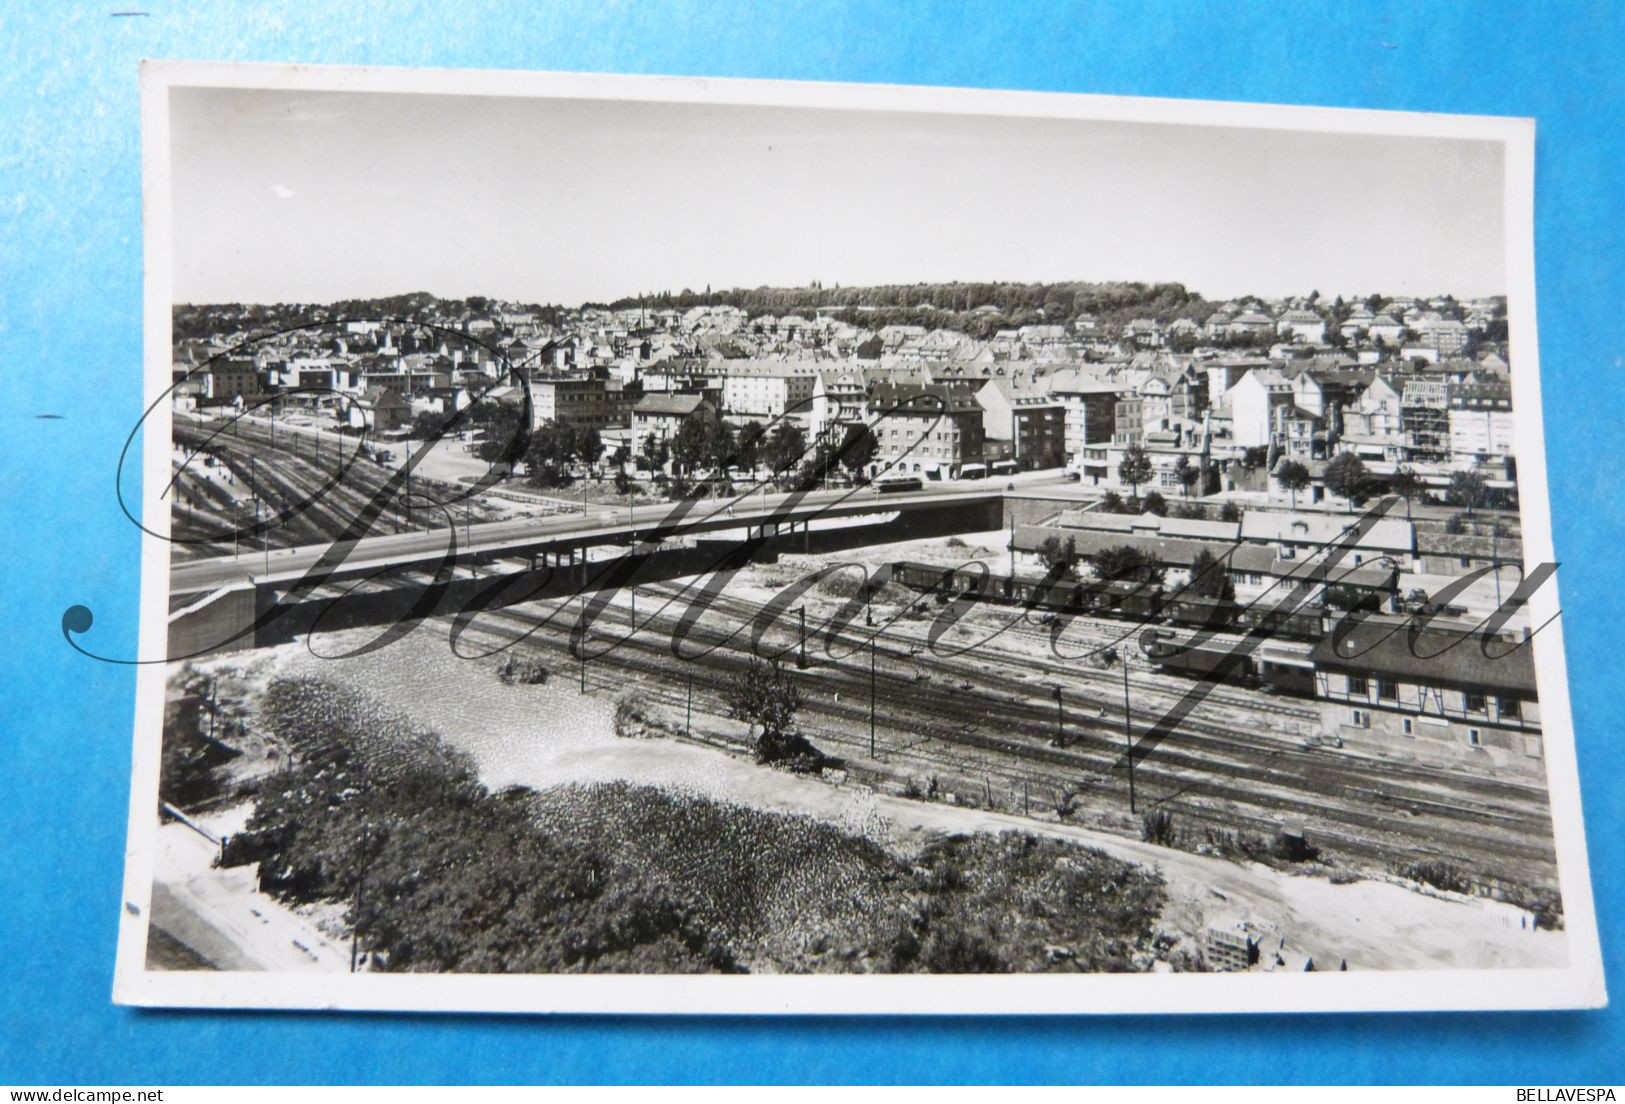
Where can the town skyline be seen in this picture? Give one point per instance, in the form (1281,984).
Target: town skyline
(712,292)
(315,197)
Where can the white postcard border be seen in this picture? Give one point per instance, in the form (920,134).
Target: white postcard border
(1578,985)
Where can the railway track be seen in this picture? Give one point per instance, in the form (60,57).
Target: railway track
(1206,772)
(284,478)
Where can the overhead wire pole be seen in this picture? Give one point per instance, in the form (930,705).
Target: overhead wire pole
(360,878)
(1128,737)
(872,641)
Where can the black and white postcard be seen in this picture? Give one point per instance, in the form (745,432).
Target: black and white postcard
(623,544)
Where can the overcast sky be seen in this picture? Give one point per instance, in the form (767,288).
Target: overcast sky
(312,197)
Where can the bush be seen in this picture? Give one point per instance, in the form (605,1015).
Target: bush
(1230,513)
(633,723)
(1157,827)
(523,671)
(1438,874)
(1455,525)
(624,878)
(189,764)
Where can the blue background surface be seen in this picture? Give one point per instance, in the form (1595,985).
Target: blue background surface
(70,344)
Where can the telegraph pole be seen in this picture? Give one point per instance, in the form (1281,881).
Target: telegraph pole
(872,640)
(801,660)
(1060,719)
(355,921)
(1128,737)
(1495,556)
(688,716)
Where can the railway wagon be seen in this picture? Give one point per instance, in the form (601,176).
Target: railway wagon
(1278,666)
(1130,600)
(1265,619)
(1284,667)
(1200,610)
(948,580)
(1209,660)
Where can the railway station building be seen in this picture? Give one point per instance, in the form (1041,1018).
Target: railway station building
(1449,697)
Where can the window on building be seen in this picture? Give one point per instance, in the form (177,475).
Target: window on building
(1359,718)
(1358,686)
(1387,689)
(1408,726)
(1475,738)
(1475,703)
(1508,706)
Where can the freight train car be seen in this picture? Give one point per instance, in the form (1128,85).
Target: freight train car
(1135,601)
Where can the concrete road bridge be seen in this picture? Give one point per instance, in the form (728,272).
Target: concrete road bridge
(228,603)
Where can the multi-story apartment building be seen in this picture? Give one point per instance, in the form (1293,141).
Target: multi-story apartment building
(839,398)
(1089,413)
(582,401)
(929,429)
(229,378)
(1028,420)
(1444,334)
(662,414)
(1253,404)
(1480,420)
(768,389)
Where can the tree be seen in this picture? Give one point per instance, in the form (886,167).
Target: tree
(1155,504)
(504,440)
(703,441)
(589,446)
(859,450)
(1209,577)
(765,695)
(1293,476)
(1345,476)
(1187,474)
(1468,490)
(1127,563)
(1135,468)
(1407,484)
(785,447)
(654,453)
(428,425)
(1112,503)
(1231,512)
(748,445)
(1059,556)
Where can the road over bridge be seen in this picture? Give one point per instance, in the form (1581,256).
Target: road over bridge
(768,515)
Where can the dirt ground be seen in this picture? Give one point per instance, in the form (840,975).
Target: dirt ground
(543,735)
